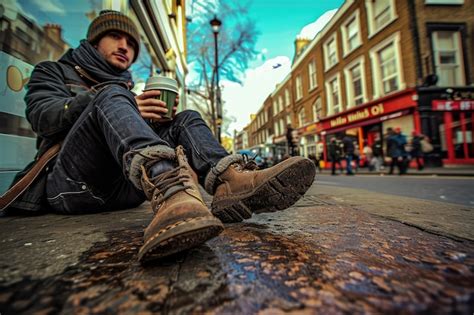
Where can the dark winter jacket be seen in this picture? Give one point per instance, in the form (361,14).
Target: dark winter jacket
(393,150)
(334,151)
(56,96)
(348,145)
(416,146)
(377,148)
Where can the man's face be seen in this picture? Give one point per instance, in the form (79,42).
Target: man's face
(118,49)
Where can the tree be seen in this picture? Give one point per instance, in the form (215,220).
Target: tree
(236,45)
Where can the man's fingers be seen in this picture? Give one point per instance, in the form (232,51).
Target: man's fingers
(151,102)
(151,116)
(152,109)
(148,94)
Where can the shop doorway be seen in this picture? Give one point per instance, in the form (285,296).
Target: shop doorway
(456,137)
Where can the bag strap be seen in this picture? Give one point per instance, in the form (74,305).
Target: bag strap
(16,190)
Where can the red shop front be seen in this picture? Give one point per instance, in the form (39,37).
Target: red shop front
(456,130)
(368,121)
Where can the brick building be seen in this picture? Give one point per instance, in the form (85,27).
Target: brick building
(374,66)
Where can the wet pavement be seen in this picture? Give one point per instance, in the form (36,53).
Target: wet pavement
(320,256)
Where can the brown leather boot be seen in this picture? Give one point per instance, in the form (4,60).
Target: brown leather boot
(181,220)
(244,190)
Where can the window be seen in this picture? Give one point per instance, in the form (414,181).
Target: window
(317,110)
(356,91)
(275,107)
(282,126)
(299,88)
(448,60)
(288,119)
(301,118)
(330,53)
(351,38)
(333,95)
(387,67)
(287,97)
(277,129)
(312,75)
(380,13)
(280,103)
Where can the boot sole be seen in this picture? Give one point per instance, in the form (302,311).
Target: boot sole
(180,237)
(277,193)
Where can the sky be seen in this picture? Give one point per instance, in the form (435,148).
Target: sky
(279,23)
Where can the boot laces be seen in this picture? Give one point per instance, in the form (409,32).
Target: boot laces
(247,164)
(171,182)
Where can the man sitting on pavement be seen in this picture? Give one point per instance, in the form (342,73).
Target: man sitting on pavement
(112,158)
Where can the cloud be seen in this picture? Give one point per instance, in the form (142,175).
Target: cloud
(50,6)
(310,30)
(242,100)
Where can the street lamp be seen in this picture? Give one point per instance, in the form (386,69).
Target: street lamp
(216,25)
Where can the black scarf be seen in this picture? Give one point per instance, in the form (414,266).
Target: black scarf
(90,60)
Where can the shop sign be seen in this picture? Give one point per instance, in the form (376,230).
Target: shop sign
(446,105)
(362,114)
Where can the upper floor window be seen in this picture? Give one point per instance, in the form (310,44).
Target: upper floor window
(448,58)
(317,110)
(288,119)
(282,126)
(280,103)
(387,66)
(299,88)
(277,128)
(287,97)
(330,53)
(380,13)
(334,95)
(301,118)
(312,75)
(275,107)
(351,37)
(355,85)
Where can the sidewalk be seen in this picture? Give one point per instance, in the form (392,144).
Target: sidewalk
(320,256)
(428,171)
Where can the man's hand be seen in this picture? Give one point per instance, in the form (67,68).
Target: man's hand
(152,108)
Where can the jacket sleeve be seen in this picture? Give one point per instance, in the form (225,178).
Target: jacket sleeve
(51,108)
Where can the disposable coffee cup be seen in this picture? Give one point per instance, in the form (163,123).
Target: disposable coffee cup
(169,91)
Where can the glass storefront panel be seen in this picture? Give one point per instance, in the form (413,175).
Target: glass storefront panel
(32,32)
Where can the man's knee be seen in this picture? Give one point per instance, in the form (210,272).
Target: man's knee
(188,115)
(113,93)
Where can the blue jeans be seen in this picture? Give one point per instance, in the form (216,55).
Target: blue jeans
(89,172)
(349,164)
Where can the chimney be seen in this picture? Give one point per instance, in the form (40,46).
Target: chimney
(53,31)
(300,45)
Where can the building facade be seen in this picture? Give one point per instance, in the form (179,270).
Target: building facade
(387,64)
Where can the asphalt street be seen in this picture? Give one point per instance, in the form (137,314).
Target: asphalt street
(444,189)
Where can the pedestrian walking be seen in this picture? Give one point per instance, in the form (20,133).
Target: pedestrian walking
(349,148)
(416,149)
(402,144)
(395,150)
(368,156)
(334,152)
(377,151)
(103,148)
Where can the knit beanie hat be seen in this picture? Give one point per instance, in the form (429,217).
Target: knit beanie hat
(109,20)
